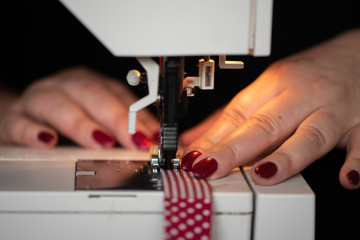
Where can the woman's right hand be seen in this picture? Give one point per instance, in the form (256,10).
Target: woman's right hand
(83,105)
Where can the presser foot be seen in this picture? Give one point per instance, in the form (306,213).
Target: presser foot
(157,161)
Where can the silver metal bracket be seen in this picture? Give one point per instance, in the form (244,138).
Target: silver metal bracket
(157,161)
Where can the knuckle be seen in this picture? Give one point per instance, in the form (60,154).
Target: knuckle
(116,121)
(235,115)
(266,124)
(76,72)
(290,67)
(285,65)
(288,163)
(13,129)
(315,135)
(78,78)
(35,102)
(41,84)
(49,95)
(315,78)
(82,70)
(327,89)
(232,151)
(72,122)
(93,87)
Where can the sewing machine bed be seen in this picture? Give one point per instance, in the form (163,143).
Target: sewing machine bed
(43,196)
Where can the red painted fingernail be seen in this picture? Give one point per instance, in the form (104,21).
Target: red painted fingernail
(46,137)
(205,168)
(156,136)
(142,141)
(188,160)
(266,170)
(104,139)
(353,177)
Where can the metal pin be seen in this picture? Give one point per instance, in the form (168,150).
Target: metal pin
(86,173)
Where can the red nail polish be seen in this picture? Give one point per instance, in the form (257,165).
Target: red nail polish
(104,139)
(141,141)
(353,177)
(46,137)
(156,136)
(266,170)
(188,160)
(205,168)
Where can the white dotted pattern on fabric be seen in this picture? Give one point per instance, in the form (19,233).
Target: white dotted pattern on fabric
(187,206)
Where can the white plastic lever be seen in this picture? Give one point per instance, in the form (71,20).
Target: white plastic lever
(133,77)
(152,69)
(225,64)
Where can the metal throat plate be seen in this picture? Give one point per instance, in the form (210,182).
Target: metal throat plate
(115,175)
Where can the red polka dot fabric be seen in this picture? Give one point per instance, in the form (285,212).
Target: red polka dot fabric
(187,206)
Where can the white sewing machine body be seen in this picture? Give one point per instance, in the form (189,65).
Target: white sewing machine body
(38,200)
(139,28)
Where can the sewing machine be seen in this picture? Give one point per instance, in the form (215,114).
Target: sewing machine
(90,194)
(173,30)
(44,195)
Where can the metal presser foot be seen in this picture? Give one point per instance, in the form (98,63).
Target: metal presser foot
(157,162)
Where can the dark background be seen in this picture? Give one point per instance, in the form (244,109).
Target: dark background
(38,38)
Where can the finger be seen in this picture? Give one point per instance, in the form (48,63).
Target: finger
(105,108)
(242,106)
(101,105)
(265,129)
(19,129)
(121,90)
(349,174)
(150,122)
(55,109)
(188,136)
(316,136)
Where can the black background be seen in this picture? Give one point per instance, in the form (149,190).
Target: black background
(42,37)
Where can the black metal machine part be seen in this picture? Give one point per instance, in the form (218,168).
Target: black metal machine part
(172,104)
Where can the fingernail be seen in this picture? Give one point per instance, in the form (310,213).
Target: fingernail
(46,137)
(353,177)
(156,136)
(188,160)
(104,139)
(142,141)
(266,170)
(205,168)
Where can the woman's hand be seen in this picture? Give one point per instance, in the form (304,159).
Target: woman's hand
(83,105)
(294,113)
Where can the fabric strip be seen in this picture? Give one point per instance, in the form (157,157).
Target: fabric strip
(187,206)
